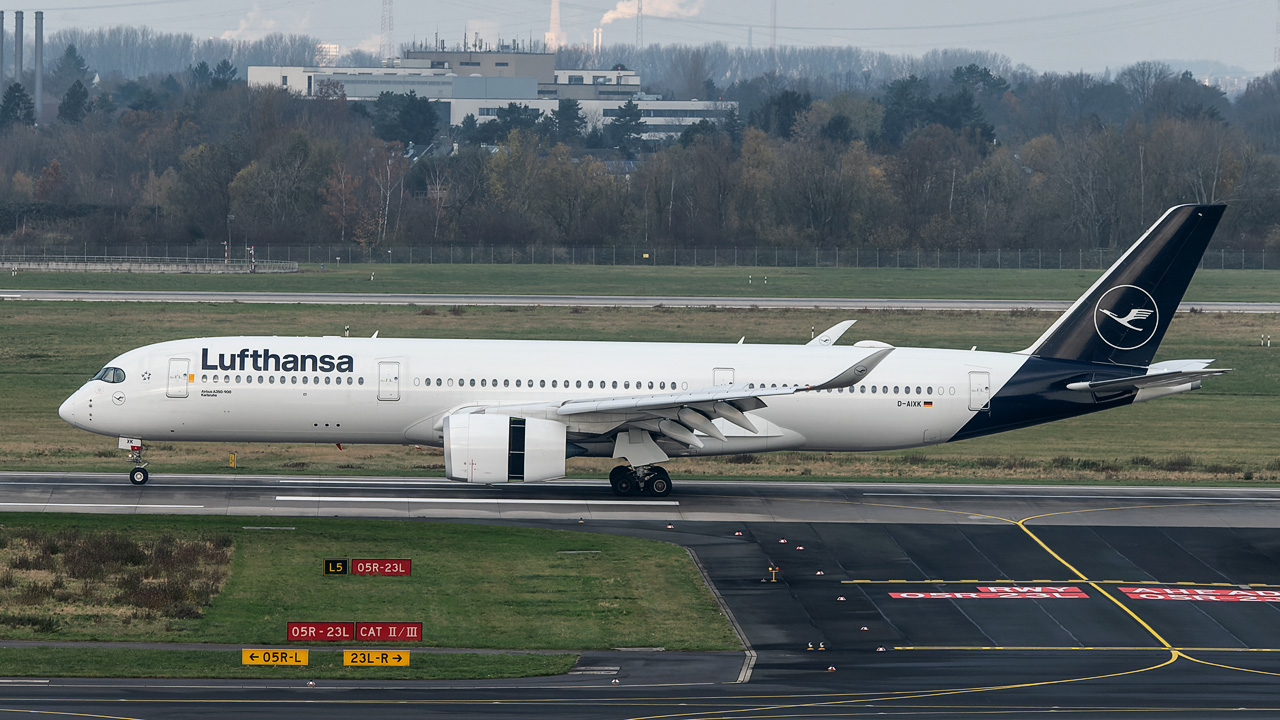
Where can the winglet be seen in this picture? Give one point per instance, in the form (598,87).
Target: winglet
(855,374)
(832,334)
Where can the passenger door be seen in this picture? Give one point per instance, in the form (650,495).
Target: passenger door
(980,391)
(388,380)
(178,377)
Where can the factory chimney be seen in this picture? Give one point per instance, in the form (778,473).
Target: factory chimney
(39,65)
(17,46)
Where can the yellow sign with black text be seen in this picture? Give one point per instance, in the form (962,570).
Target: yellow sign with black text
(375,657)
(273,657)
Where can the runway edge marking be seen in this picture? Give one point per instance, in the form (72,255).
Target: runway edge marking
(749,662)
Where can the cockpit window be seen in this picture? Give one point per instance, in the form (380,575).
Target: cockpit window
(110,374)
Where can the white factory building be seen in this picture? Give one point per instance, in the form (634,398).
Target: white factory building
(479,83)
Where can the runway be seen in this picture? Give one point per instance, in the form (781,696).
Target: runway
(586,301)
(942,600)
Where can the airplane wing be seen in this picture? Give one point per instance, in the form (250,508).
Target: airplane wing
(677,415)
(832,334)
(1169,374)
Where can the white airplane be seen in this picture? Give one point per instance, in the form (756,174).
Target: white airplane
(512,410)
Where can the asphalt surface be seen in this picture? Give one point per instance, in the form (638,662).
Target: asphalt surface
(585,300)
(1097,627)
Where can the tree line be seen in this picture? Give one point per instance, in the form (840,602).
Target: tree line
(978,157)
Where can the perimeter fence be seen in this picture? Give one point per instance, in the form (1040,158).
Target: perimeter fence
(1092,259)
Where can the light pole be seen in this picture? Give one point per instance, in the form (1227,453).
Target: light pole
(226,255)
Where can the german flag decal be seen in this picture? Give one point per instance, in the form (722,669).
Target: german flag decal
(928,403)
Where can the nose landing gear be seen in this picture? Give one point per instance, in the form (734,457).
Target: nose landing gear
(648,479)
(139,474)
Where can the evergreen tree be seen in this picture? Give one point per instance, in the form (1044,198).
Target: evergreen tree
(223,75)
(17,108)
(71,68)
(569,120)
(74,105)
(201,75)
(624,131)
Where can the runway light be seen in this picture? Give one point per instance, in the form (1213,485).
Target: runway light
(880,649)
(311,683)
(810,646)
(822,646)
(782,540)
(831,668)
(820,573)
(738,534)
(616,681)
(670,526)
(799,547)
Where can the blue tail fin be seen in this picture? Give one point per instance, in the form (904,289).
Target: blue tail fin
(1123,317)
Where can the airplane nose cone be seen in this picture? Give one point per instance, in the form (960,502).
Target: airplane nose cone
(67,410)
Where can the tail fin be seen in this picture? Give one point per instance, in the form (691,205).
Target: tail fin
(1123,317)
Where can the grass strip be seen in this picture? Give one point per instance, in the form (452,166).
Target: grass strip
(324,664)
(783,282)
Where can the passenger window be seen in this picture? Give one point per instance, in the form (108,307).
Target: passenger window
(591,384)
(437,382)
(873,389)
(259,379)
(237,379)
(895,389)
(349,380)
(542,383)
(863,390)
(884,389)
(272,379)
(615,384)
(215,378)
(315,380)
(204,378)
(917,389)
(626,385)
(506,383)
(293,380)
(577,383)
(650,384)
(907,389)
(483,382)
(473,382)
(326,379)
(662,385)
(553,383)
(517,383)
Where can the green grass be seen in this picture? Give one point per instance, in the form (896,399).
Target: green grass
(112,662)
(472,586)
(1208,285)
(50,349)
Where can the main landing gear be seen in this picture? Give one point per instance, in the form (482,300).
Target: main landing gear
(648,479)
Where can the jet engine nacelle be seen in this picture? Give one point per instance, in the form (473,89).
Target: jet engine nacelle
(500,448)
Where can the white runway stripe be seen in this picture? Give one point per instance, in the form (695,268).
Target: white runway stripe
(471,501)
(101,505)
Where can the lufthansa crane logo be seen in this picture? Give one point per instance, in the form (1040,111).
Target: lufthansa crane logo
(1126,317)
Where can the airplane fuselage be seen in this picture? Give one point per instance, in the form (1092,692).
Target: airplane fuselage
(396,391)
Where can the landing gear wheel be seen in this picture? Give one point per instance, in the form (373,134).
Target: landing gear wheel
(623,480)
(139,476)
(659,482)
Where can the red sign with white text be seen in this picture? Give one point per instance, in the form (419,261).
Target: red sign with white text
(1045,592)
(389,631)
(1210,595)
(380,567)
(321,631)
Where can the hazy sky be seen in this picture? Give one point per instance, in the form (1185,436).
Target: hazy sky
(1080,35)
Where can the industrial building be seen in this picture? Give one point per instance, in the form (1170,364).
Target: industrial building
(479,83)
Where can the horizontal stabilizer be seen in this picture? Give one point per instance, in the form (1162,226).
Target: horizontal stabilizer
(1156,377)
